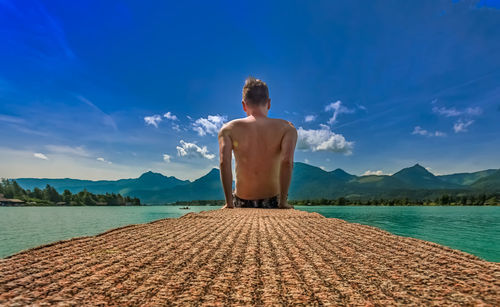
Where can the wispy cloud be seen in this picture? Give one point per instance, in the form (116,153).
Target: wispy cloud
(166,158)
(420,131)
(474,111)
(465,115)
(453,112)
(323,140)
(51,44)
(55,27)
(106,118)
(11,119)
(68,150)
(101,159)
(210,125)
(40,155)
(310,118)
(337,109)
(192,150)
(153,120)
(448,112)
(461,125)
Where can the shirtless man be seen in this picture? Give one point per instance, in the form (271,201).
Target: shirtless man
(263,149)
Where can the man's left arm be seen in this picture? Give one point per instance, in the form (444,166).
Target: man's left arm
(226,174)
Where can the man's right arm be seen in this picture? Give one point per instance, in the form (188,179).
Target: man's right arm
(288,143)
(225,153)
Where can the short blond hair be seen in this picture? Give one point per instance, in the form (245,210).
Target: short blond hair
(255,91)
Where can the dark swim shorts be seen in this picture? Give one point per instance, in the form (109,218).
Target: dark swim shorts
(268,203)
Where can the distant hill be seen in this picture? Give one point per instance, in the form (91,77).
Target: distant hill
(207,187)
(308,182)
(467,178)
(489,183)
(417,177)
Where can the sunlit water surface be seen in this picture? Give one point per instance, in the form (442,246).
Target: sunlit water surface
(472,229)
(475,230)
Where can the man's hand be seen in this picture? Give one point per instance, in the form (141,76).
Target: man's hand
(226,206)
(285,205)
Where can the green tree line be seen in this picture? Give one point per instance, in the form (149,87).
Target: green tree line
(49,196)
(443,200)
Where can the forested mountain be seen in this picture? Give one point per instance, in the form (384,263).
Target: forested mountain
(147,181)
(308,182)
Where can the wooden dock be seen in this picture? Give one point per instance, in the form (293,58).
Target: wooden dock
(247,257)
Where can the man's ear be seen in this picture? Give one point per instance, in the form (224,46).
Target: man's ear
(244,105)
(269,103)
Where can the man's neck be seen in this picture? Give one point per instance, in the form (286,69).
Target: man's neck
(257,113)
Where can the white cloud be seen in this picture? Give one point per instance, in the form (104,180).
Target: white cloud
(210,125)
(323,140)
(310,118)
(461,126)
(176,127)
(101,159)
(166,158)
(153,120)
(337,109)
(40,156)
(68,150)
(191,150)
(170,116)
(371,173)
(420,131)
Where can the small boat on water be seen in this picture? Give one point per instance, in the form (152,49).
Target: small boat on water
(184,208)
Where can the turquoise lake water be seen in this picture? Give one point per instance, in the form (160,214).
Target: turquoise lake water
(472,229)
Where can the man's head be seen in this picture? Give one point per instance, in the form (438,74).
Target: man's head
(255,95)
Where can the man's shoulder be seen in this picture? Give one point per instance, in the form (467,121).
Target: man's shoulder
(227,127)
(285,123)
(230,124)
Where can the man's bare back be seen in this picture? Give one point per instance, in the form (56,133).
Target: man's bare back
(263,148)
(256,143)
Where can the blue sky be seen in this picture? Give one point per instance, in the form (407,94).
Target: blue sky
(110,89)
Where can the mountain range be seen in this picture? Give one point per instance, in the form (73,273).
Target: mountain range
(308,182)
